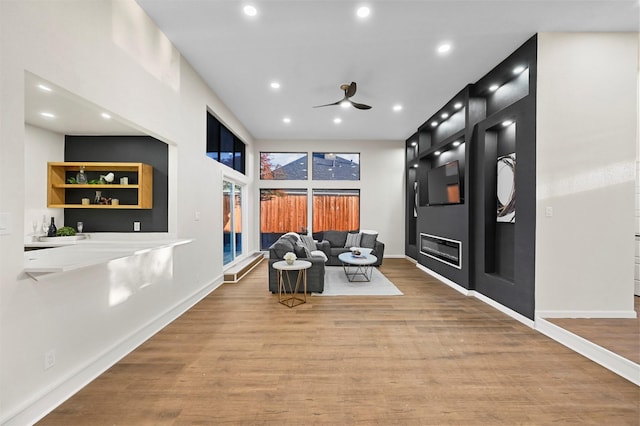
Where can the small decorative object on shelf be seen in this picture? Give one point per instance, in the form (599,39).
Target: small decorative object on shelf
(98,197)
(81,178)
(290,257)
(124,180)
(51,232)
(108,178)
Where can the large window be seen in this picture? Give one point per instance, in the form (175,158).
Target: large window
(283,165)
(231,221)
(336,166)
(336,209)
(281,211)
(223,146)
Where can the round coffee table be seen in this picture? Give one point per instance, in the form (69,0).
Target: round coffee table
(357,268)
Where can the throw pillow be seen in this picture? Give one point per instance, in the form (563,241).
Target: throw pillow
(353,240)
(368,240)
(319,253)
(307,252)
(308,242)
(281,247)
(299,251)
(336,238)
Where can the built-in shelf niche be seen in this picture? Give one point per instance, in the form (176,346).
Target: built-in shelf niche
(499,141)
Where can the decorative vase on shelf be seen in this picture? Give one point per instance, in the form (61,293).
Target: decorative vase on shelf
(81,177)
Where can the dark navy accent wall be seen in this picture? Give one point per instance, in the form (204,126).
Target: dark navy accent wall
(140,149)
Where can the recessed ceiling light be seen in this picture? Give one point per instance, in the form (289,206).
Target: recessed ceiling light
(105,116)
(434,123)
(518,69)
(286,120)
(275,85)
(397,107)
(457,105)
(250,10)
(507,123)
(414,143)
(337,120)
(363,12)
(437,153)
(494,87)
(444,48)
(45,88)
(444,115)
(47,115)
(345,104)
(456,143)
(415,166)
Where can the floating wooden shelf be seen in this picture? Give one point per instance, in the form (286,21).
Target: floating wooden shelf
(58,189)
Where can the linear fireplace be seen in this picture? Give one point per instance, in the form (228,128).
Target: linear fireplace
(442,249)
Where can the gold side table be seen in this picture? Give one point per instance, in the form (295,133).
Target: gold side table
(287,291)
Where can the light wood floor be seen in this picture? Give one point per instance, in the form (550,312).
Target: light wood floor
(430,357)
(621,336)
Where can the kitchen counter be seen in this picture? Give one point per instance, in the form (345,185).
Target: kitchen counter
(76,254)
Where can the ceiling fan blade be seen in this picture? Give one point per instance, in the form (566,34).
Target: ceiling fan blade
(351,90)
(335,103)
(360,106)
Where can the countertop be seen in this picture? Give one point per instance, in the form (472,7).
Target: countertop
(69,256)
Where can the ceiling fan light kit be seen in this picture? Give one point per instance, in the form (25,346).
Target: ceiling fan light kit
(349,91)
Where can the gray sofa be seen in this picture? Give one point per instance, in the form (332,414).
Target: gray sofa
(315,274)
(333,244)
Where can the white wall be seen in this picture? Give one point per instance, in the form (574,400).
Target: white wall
(381,183)
(40,146)
(587,116)
(112,55)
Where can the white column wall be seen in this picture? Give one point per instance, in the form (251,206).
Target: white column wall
(587,116)
(381,183)
(111,54)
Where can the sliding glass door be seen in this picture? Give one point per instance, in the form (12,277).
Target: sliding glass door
(231,221)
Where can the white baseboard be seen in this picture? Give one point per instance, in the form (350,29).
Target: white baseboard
(513,314)
(610,360)
(586,314)
(44,402)
(637,289)
(447,281)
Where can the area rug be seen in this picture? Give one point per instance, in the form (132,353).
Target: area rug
(336,284)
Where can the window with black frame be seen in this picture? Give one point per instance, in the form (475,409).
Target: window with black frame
(223,146)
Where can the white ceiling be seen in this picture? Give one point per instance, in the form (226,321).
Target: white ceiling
(312,47)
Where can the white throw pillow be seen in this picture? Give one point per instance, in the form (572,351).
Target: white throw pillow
(353,240)
(319,253)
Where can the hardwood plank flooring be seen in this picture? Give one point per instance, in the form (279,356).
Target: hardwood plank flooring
(430,357)
(619,335)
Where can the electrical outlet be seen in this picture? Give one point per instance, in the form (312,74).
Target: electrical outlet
(197,216)
(49,359)
(136,226)
(548,212)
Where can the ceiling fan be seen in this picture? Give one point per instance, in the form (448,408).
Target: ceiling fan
(349,91)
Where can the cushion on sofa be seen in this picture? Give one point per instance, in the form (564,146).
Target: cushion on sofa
(336,238)
(308,242)
(319,253)
(353,240)
(299,250)
(281,247)
(300,246)
(368,240)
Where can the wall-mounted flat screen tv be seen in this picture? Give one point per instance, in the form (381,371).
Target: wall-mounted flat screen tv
(444,184)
